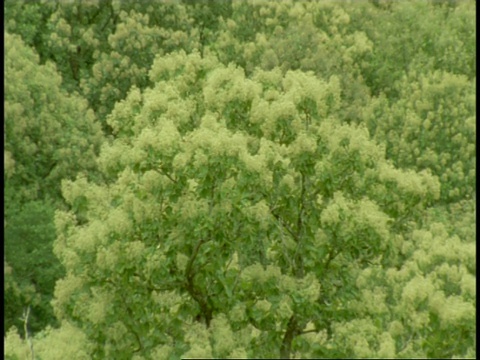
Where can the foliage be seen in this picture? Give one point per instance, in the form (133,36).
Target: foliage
(33,269)
(435,129)
(49,136)
(102,48)
(220,215)
(28,19)
(429,309)
(55,344)
(137,37)
(279,179)
(421,85)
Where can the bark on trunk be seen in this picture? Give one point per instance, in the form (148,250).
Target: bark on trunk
(292,331)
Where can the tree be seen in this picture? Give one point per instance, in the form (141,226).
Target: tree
(102,48)
(32,267)
(431,127)
(219,222)
(323,37)
(278,179)
(49,136)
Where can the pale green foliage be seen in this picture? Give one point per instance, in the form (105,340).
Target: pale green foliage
(125,58)
(25,19)
(432,36)
(102,49)
(434,128)
(55,344)
(222,336)
(264,188)
(431,75)
(197,337)
(307,35)
(191,194)
(428,294)
(9,163)
(49,134)
(15,346)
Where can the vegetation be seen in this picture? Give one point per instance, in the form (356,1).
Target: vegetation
(239,179)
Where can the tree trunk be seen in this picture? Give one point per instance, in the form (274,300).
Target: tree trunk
(292,331)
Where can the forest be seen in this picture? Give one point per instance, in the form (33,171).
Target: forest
(239,179)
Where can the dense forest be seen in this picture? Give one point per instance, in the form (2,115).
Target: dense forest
(239,179)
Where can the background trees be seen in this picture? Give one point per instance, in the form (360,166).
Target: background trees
(49,136)
(244,179)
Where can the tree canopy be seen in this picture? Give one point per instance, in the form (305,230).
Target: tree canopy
(239,179)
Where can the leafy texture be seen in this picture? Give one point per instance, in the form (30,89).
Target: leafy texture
(287,179)
(259,215)
(49,135)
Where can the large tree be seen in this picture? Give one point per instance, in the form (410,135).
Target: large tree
(236,216)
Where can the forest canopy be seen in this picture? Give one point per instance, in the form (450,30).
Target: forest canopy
(239,179)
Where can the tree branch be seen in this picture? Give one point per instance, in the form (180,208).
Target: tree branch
(26,313)
(131,328)
(168,175)
(301,207)
(284,224)
(331,255)
(290,333)
(150,287)
(205,307)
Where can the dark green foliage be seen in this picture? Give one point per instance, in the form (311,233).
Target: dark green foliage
(29,235)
